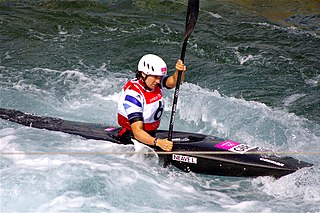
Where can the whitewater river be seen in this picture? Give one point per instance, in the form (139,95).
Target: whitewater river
(253,76)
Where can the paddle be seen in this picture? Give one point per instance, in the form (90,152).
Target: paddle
(191,20)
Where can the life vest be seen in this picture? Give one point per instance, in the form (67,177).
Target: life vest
(136,103)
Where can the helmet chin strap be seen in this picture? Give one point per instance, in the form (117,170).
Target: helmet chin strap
(144,81)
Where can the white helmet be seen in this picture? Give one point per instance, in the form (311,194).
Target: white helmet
(151,64)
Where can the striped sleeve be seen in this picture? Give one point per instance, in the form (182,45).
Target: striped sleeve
(133,105)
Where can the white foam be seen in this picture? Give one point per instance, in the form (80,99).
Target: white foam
(72,201)
(7,131)
(6,140)
(225,117)
(313,81)
(292,98)
(8,146)
(248,206)
(74,74)
(302,184)
(112,97)
(40,163)
(290,29)
(214,15)
(23,85)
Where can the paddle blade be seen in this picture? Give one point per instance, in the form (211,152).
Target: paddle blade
(191,18)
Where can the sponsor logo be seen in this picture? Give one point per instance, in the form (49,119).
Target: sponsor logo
(226,145)
(233,146)
(241,148)
(155,98)
(184,158)
(271,161)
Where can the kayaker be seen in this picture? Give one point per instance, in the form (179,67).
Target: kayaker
(141,102)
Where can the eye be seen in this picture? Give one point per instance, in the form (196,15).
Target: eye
(152,69)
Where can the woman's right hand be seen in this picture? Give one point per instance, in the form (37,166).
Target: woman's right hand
(165,144)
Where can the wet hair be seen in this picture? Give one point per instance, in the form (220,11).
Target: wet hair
(138,74)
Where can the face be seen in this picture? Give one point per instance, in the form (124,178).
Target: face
(152,81)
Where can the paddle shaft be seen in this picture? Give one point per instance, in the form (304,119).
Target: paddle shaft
(191,19)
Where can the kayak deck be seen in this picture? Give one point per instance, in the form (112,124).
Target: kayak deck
(191,151)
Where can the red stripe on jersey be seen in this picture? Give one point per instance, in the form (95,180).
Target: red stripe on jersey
(124,122)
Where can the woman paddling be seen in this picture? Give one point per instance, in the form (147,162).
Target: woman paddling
(141,102)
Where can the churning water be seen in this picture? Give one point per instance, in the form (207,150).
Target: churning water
(252,76)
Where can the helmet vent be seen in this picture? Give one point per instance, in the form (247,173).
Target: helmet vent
(152,69)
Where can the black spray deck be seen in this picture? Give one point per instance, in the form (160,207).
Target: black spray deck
(191,152)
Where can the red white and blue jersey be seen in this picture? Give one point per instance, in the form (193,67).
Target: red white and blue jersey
(136,103)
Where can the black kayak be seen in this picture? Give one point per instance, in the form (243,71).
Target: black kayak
(191,152)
